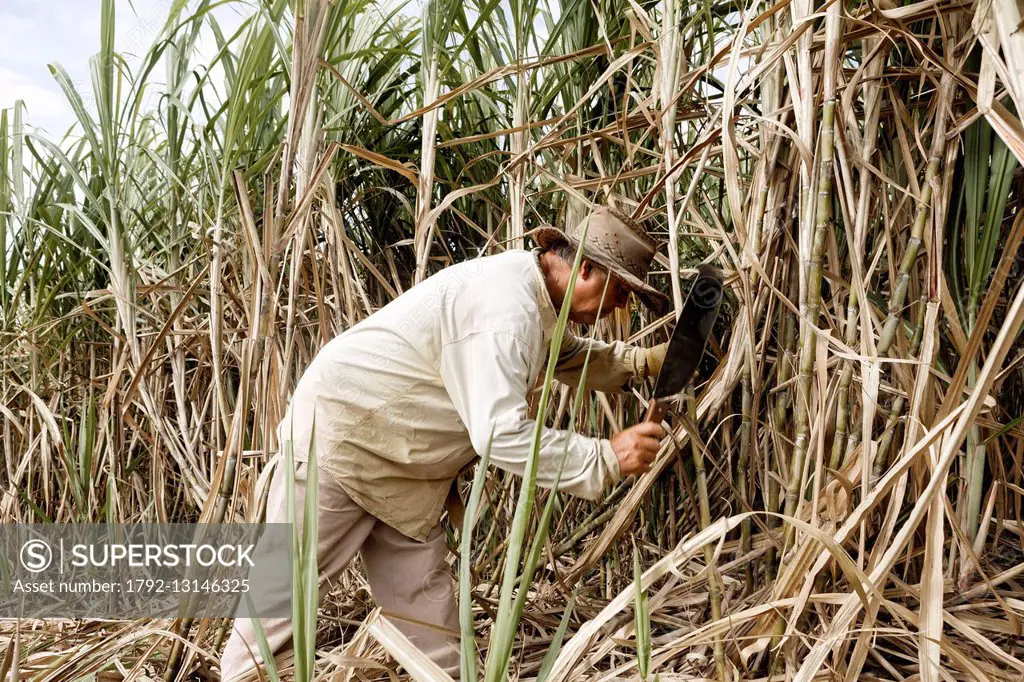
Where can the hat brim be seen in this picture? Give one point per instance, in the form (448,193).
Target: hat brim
(547,236)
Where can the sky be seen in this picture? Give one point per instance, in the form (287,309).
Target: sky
(34,33)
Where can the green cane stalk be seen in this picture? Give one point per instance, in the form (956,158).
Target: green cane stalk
(507,620)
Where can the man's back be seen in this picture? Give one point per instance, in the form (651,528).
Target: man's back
(387,425)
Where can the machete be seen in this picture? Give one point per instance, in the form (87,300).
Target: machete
(686,347)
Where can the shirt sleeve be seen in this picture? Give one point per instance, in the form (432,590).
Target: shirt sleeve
(612,364)
(486,376)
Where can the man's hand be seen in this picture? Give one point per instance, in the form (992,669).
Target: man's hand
(637,446)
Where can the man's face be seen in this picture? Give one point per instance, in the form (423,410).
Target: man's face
(590,295)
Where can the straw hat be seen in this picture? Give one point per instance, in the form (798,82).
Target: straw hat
(616,242)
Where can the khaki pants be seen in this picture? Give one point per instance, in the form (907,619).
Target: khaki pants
(408,578)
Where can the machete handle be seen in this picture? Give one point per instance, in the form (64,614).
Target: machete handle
(656,411)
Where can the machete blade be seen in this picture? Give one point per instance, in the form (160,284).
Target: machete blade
(686,347)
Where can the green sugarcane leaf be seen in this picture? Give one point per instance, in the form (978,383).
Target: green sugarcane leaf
(559,637)
(544,524)
(641,619)
(269,664)
(469,651)
(506,622)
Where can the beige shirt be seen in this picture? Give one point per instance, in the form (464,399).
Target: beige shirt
(407,397)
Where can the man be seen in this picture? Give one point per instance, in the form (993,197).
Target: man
(407,397)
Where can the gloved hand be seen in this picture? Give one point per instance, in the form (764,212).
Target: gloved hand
(655,358)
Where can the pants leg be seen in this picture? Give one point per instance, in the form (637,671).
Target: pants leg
(412,579)
(342,528)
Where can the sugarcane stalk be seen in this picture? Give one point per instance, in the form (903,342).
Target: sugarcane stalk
(667,91)
(899,292)
(974,465)
(810,307)
(783,375)
(743,461)
(518,144)
(424,230)
(881,461)
(747,418)
(714,585)
(839,440)
(872,107)
(811,310)
(224,492)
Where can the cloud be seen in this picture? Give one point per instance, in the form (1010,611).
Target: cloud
(44,107)
(34,33)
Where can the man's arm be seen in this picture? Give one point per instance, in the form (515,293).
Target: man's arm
(612,364)
(485,374)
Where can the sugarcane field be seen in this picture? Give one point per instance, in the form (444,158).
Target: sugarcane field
(539,340)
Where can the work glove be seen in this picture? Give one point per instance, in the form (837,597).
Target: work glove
(655,358)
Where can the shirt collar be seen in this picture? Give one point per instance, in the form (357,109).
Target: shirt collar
(548,312)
